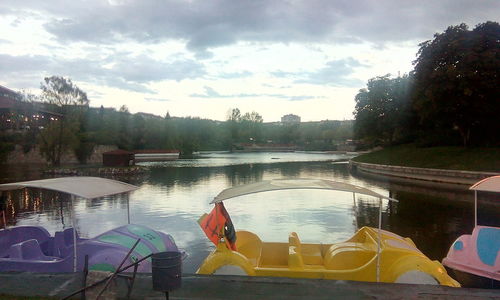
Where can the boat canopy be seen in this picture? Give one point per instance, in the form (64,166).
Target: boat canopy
(490,184)
(290,184)
(85,187)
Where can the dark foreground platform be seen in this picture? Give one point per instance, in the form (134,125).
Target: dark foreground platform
(240,287)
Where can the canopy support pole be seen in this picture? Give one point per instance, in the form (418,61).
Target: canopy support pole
(4,219)
(128,210)
(475,208)
(379,237)
(74,232)
(355,211)
(3,208)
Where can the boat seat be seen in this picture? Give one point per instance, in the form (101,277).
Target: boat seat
(63,242)
(293,240)
(311,253)
(250,245)
(348,255)
(14,235)
(28,250)
(295,260)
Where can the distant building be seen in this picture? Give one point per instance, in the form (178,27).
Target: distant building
(148,116)
(290,119)
(18,115)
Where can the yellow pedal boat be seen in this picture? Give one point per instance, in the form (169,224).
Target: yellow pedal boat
(372,254)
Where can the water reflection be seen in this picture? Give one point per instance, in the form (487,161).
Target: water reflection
(172,197)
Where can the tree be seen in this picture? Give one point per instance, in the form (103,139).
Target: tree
(138,132)
(51,140)
(457,85)
(383,111)
(233,120)
(124,129)
(85,140)
(69,100)
(251,124)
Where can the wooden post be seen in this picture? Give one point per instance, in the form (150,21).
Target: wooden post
(118,269)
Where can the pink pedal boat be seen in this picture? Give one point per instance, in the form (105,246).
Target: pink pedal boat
(474,258)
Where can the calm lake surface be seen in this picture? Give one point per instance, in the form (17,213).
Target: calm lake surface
(173,195)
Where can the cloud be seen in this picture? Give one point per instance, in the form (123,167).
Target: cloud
(125,72)
(157,99)
(335,73)
(25,63)
(234,75)
(210,93)
(143,69)
(209,24)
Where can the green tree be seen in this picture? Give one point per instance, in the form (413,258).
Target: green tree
(457,85)
(55,137)
(233,120)
(138,132)
(383,111)
(70,101)
(251,126)
(124,129)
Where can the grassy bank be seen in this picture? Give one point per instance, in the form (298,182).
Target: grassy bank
(453,158)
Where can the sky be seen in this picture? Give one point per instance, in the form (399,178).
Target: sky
(202,58)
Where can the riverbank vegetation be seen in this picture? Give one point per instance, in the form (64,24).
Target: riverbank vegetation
(449,99)
(444,157)
(82,127)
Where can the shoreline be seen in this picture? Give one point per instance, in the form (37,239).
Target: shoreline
(421,174)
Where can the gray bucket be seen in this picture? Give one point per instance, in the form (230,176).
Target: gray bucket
(166,270)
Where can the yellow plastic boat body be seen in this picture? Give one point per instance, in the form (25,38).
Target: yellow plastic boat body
(355,259)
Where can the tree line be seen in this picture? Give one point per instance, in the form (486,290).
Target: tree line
(81,127)
(451,97)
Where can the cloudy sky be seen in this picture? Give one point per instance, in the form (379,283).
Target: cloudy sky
(203,57)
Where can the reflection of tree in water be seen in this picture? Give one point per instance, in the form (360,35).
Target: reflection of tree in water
(432,236)
(432,223)
(242,174)
(119,200)
(367,212)
(183,176)
(26,203)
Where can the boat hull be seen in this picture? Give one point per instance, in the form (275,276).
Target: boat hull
(32,249)
(476,254)
(356,259)
(468,280)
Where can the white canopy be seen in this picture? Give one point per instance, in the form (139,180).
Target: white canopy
(490,184)
(288,184)
(85,187)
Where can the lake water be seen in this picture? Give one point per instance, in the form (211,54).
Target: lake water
(173,195)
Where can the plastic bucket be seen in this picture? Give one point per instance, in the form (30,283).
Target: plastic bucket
(166,270)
